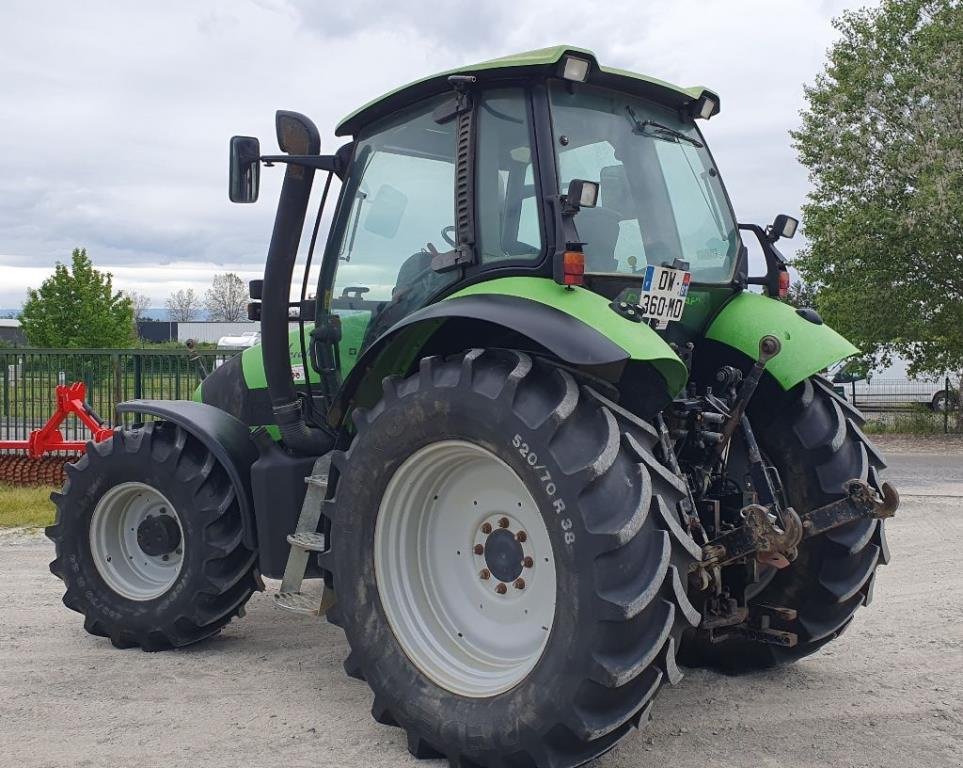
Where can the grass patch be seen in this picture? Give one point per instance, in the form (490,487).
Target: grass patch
(915,422)
(25,507)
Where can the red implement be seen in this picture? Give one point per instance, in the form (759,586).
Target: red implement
(71,399)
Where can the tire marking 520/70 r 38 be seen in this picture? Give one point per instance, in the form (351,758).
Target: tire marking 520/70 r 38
(545,478)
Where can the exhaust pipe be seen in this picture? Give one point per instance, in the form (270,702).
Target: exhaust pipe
(297,135)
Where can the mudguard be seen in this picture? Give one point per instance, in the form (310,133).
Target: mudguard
(577,326)
(227,438)
(807,346)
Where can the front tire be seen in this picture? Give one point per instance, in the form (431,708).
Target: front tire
(149,541)
(493,685)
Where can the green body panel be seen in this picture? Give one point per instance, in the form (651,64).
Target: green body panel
(353,327)
(807,348)
(543,58)
(638,340)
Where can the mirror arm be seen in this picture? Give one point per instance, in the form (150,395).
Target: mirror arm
(319,162)
(775,263)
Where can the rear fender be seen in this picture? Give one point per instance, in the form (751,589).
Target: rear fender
(807,346)
(226,437)
(576,326)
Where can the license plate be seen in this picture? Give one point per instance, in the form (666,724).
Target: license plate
(663,293)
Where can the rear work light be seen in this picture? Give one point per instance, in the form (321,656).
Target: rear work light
(575,69)
(573,268)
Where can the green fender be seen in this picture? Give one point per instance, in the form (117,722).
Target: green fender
(638,340)
(807,347)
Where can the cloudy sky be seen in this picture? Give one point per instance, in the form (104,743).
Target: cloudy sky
(114,117)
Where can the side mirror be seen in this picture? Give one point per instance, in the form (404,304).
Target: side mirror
(782,226)
(245,174)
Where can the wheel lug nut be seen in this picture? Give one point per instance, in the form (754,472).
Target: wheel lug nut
(501,588)
(521,536)
(479,549)
(485,574)
(503,523)
(487,528)
(528,562)
(519,583)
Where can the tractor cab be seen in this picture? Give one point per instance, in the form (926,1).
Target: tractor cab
(544,173)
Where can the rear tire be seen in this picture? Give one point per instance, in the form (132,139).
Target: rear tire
(815,441)
(187,578)
(608,511)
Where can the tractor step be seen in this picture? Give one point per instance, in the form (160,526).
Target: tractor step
(298,602)
(305,542)
(311,542)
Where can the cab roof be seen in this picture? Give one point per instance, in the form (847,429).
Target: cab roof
(543,62)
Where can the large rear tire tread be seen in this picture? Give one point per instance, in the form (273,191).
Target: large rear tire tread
(221,573)
(627,500)
(817,451)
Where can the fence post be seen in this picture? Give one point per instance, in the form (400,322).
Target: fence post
(947,400)
(118,394)
(6,386)
(138,377)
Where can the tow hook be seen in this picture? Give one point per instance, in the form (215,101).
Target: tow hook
(769,539)
(861,501)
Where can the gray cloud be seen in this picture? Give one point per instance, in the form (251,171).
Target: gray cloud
(116,115)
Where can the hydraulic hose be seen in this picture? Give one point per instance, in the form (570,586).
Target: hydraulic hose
(297,135)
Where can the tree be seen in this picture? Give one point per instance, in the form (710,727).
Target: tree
(226,299)
(77,307)
(139,302)
(883,140)
(183,306)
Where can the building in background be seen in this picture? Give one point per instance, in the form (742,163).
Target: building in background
(11,334)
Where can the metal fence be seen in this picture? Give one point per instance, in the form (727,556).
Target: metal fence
(924,401)
(28,380)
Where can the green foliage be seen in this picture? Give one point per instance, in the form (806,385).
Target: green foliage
(77,307)
(801,294)
(883,139)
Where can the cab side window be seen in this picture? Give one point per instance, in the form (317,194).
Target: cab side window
(400,211)
(507,213)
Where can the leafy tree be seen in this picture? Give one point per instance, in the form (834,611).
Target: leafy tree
(140,303)
(183,306)
(883,139)
(226,299)
(77,307)
(801,294)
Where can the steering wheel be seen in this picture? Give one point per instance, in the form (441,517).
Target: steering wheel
(448,234)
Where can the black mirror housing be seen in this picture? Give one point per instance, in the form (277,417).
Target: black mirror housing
(783,226)
(245,169)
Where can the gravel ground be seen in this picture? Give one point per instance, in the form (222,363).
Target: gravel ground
(270,690)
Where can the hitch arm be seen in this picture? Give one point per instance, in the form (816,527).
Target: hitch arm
(859,502)
(760,535)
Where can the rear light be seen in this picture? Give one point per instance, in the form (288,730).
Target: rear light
(783,283)
(573,268)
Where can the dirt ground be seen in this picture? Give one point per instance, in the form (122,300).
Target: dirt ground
(270,689)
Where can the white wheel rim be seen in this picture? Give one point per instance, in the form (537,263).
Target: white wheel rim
(471,635)
(122,563)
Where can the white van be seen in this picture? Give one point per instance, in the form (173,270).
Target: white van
(892,387)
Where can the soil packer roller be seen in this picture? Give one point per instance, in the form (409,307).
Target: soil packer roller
(535,441)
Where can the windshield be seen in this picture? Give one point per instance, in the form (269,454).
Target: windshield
(660,195)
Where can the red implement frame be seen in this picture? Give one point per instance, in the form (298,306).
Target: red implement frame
(71,399)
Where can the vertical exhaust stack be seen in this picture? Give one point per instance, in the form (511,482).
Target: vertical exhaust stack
(297,135)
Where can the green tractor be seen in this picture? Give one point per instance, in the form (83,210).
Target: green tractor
(535,439)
